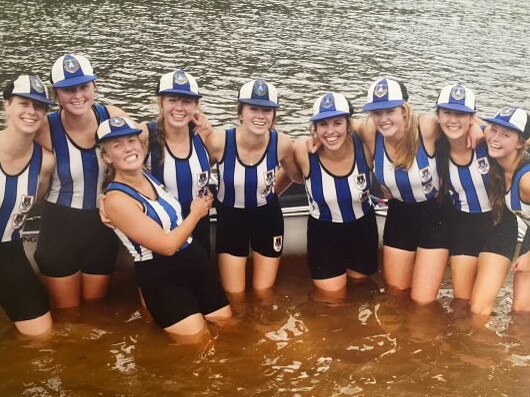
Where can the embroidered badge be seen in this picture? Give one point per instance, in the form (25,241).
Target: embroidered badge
(260,88)
(71,65)
(180,78)
(328,101)
(507,111)
(425,174)
(26,203)
(380,90)
(36,84)
(360,181)
(483,165)
(116,122)
(458,93)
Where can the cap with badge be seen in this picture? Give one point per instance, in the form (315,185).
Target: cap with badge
(458,98)
(178,82)
(514,118)
(30,87)
(116,127)
(71,70)
(331,105)
(385,94)
(259,93)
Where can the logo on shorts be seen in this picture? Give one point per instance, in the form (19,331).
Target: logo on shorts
(36,84)
(71,65)
(202,184)
(483,165)
(269,183)
(260,88)
(277,243)
(116,122)
(180,78)
(425,174)
(458,93)
(360,181)
(380,90)
(26,203)
(507,111)
(328,101)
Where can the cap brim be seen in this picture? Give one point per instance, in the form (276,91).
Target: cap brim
(74,81)
(264,103)
(505,124)
(456,107)
(329,115)
(37,98)
(180,92)
(369,107)
(119,134)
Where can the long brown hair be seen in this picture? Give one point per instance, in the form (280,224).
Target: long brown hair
(498,187)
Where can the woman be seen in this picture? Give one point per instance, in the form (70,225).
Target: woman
(177,155)
(507,137)
(414,242)
(478,260)
(247,206)
(341,231)
(25,170)
(173,272)
(75,252)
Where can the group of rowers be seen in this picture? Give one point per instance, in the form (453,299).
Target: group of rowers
(454,185)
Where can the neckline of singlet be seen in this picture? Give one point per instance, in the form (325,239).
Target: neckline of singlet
(76,145)
(23,169)
(262,156)
(340,176)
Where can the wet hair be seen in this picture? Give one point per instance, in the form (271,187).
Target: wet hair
(498,188)
(109,172)
(240,106)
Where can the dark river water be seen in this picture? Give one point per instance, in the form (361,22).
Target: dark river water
(372,344)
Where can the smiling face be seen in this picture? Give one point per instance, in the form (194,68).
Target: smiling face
(333,132)
(178,110)
(124,154)
(24,114)
(390,122)
(454,125)
(503,143)
(256,119)
(77,100)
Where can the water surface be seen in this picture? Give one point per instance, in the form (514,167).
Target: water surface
(372,344)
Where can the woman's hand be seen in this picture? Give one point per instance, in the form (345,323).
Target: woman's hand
(102,213)
(200,207)
(203,127)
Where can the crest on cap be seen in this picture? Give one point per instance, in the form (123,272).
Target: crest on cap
(260,88)
(458,93)
(117,122)
(328,101)
(71,65)
(180,78)
(507,111)
(380,90)
(36,84)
